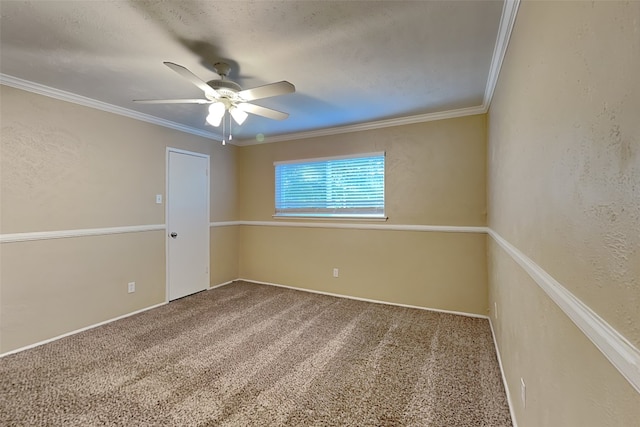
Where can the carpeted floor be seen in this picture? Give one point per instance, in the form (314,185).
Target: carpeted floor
(255,355)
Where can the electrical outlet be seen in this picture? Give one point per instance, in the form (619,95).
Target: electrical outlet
(335,272)
(132,287)
(159,199)
(523,393)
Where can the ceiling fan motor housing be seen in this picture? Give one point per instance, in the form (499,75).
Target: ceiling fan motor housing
(226,88)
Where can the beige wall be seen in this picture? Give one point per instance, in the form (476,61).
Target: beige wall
(52,287)
(67,167)
(564,188)
(435,175)
(435,171)
(438,270)
(64,166)
(223,252)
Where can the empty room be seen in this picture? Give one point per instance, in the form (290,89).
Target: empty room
(320,213)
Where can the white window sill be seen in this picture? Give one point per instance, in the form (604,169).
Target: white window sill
(332,217)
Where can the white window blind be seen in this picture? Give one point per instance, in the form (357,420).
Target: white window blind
(350,186)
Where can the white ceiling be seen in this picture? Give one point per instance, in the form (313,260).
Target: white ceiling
(352,62)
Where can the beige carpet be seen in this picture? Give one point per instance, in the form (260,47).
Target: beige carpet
(255,355)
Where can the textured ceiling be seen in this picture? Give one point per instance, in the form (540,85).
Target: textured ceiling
(352,62)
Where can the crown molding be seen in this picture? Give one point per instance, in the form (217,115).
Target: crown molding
(62,95)
(400,121)
(508,19)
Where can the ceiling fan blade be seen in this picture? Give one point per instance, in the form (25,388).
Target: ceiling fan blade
(262,111)
(173,101)
(208,90)
(266,91)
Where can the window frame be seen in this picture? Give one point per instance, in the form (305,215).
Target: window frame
(331,216)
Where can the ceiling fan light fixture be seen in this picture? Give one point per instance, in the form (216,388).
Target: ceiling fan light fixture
(238,115)
(222,95)
(216,113)
(214,120)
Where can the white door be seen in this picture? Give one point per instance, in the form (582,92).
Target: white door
(187,223)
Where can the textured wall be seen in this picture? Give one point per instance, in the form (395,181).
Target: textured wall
(435,171)
(446,271)
(64,166)
(564,188)
(52,287)
(435,175)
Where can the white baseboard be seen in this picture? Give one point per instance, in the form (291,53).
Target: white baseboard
(86,328)
(504,377)
(221,285)
(459,313)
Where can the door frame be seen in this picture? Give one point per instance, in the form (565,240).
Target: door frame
(166,213)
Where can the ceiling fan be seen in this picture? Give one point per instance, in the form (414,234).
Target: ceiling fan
(225,95)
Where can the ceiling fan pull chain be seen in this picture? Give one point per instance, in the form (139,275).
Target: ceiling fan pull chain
(230,128)
(224,142)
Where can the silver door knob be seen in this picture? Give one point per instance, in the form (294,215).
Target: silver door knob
(174,235)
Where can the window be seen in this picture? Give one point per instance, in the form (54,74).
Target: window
(347,186)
